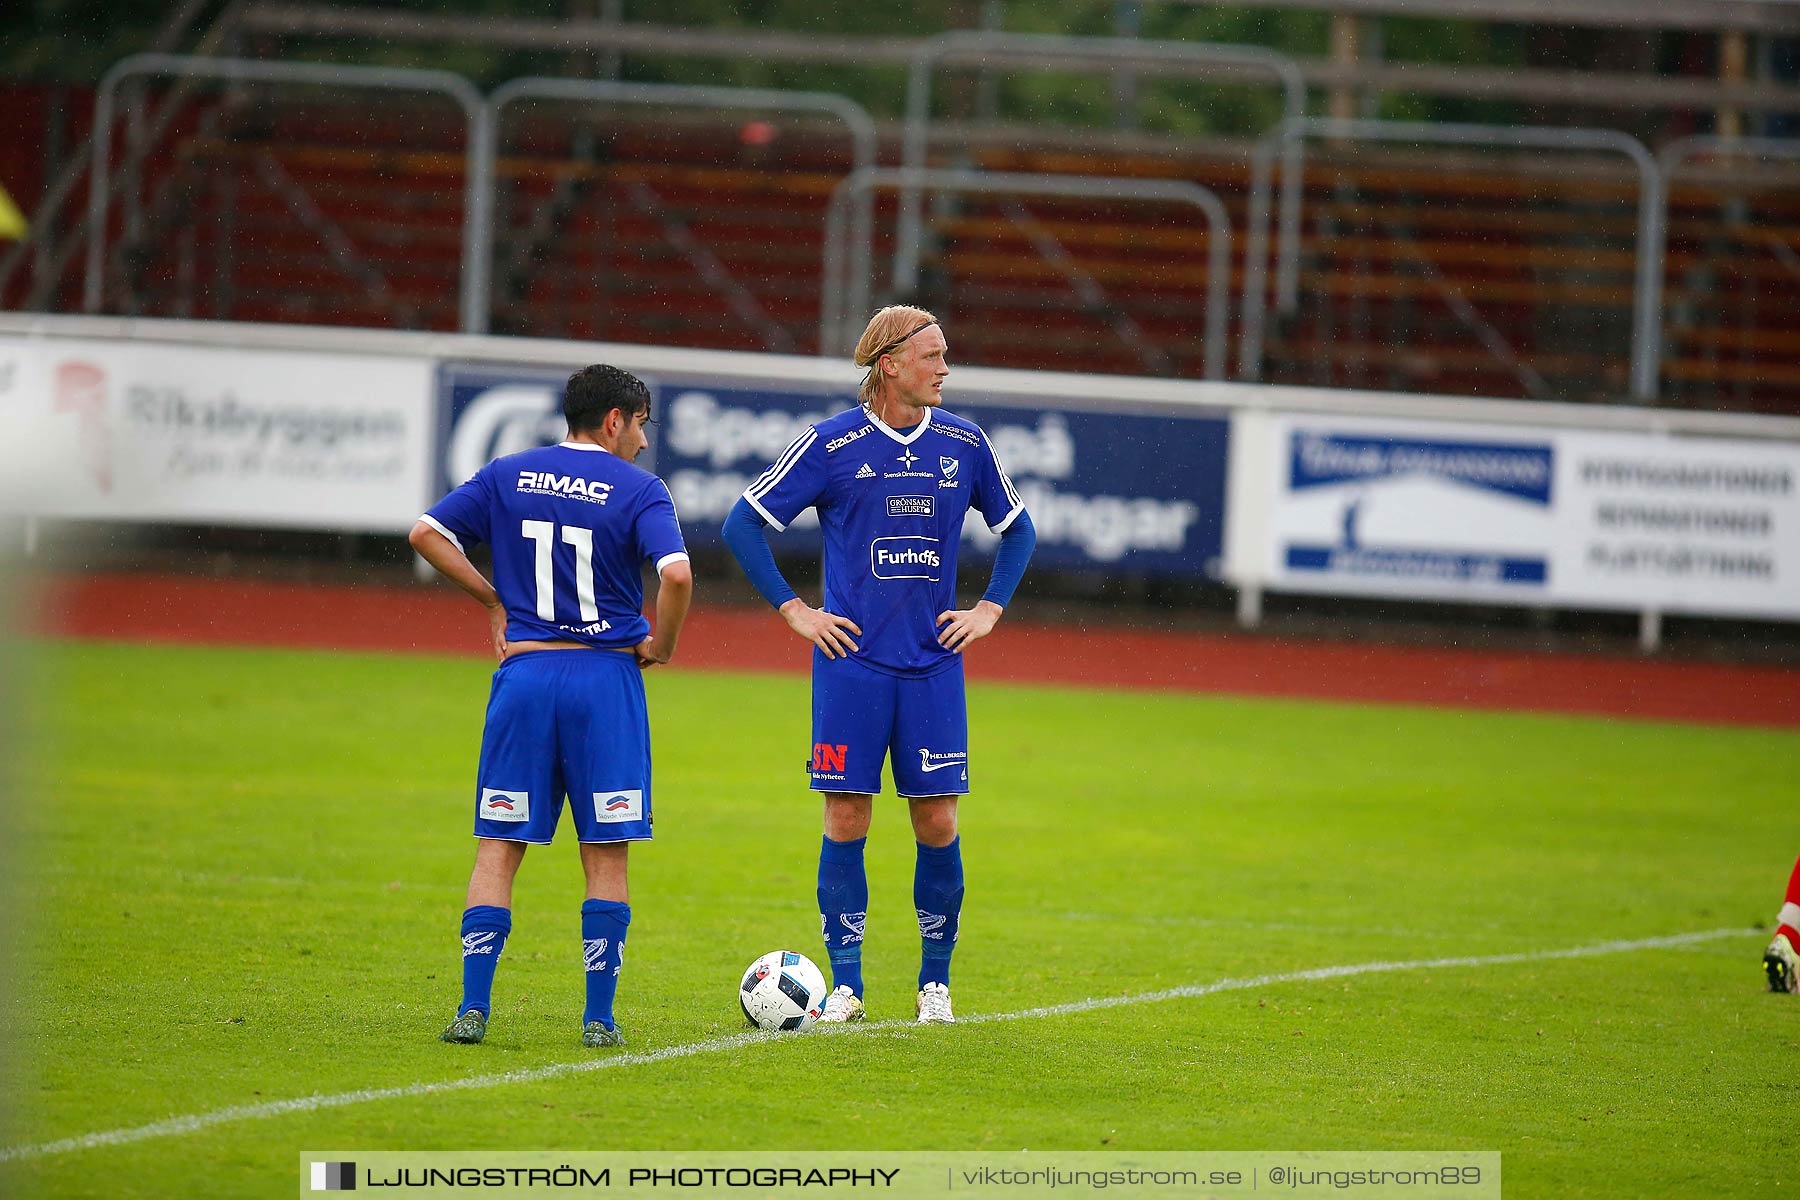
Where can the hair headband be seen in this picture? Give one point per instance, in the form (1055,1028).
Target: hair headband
(897,342)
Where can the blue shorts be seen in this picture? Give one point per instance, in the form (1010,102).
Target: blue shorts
(569,721)
(861,716)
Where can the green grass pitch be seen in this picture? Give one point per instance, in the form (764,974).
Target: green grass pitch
(243,872)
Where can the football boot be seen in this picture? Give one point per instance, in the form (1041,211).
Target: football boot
(841,1006)
(934,1005)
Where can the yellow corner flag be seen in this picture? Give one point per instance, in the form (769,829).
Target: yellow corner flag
(12,221)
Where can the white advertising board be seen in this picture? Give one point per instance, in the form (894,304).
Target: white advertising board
(119,430)
(1445,510)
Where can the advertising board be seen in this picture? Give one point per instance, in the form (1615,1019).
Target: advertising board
(127,431)
(1443,510)
(1139,491)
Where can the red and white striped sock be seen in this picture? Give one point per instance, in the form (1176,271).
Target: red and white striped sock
(1788,920)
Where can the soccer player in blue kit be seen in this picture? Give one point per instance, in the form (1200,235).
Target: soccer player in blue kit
(892,482)
(570,527)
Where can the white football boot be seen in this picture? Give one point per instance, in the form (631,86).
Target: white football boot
(934,1005)
(842,1006)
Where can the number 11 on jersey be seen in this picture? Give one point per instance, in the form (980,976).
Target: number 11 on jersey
(543,533)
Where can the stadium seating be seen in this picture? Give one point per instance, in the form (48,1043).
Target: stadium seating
(1438,271)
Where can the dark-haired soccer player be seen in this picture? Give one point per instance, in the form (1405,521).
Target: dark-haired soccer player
(1781,961)
(892,481)
(570,527)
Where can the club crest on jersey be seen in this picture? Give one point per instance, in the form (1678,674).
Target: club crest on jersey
(498,805)
(948,466)
(569,487)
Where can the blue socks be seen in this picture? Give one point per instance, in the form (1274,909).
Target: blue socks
(938,897)
(484,930)
(843,907)
(603,925)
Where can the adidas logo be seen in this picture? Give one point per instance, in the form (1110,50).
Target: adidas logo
(866,473)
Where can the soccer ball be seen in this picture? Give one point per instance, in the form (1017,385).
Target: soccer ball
(782,990)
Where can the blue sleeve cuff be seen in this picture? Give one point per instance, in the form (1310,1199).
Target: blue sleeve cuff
(744,534)
(1016,545)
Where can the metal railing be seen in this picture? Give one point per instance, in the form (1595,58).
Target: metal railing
(1254,303)
(844,288)
(1088,54)
(237,70)
(1670,161)
(48,259)
(480,252)
(844,291)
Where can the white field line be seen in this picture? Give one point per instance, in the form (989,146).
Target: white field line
(176,1126)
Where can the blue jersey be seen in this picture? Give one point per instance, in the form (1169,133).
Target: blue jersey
(570,527)
(892,504)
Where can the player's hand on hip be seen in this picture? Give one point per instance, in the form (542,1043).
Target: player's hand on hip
(961,626)
(649,654)
(828,631)
(497,630)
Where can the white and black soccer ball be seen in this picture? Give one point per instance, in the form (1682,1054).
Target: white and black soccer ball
(782,990)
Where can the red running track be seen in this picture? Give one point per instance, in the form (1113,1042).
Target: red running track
(438,620)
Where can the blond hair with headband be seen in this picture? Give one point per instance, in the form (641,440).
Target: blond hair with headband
(887,331)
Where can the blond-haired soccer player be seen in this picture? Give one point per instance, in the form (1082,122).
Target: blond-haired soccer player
(892,480)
